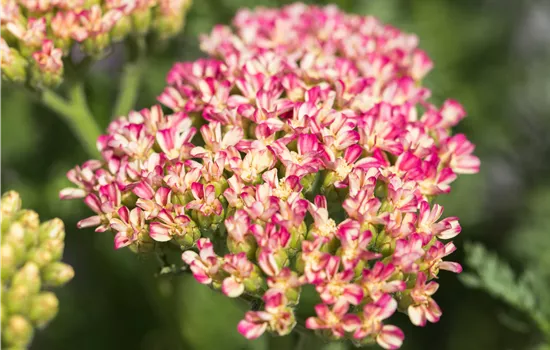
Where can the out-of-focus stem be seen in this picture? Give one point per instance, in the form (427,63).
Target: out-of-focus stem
(76,113)
(128,88)
(130,80)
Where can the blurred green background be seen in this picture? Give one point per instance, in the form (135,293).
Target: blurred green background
(491,55)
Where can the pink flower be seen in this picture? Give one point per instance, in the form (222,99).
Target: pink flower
(323,226)
(376,281)
(407,253)
(434,259)
(206,264)
(428,226)
(354,244)
(423,307)
(457,151)
(239,268)
(128,225)
(387,336)
(49,58)
(338,286)
(205,200)
(170,225)
(336,319)
(277,317)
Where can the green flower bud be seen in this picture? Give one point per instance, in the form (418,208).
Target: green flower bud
(44,307)
(248,246)
(51,230)
(141,20)
(8,256)
(95,46)
(57,274)
(30,222)
(28,276)
(18,331)
(15,67)
(11,204)
(121,29)
(17,299)
(144,243)
(15,237)
(48,252)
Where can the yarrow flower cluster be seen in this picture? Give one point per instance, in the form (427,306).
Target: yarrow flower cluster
(38,34)
(302,152)
(31,254)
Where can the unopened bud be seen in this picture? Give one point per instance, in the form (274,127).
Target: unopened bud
(57,274)
(28,276)
(7,254)
(15,238)
(255,282)
(142,20)
(121,29)
(30,222)
(44,307)
(50,230)
(189,237)
(14,66)
(11,204)
(17,299)
(47,253)
(248,246)
(18,332)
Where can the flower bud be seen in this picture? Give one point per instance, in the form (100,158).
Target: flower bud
(248,245)
(57,274)
(48,252)
(7,254)
(18,332)
(144,244)
(28,276)
(17,299)
(121,29)
(14,66)
(51,230)
(44,307)
(191,235)
(11,204)
(15,238)
(170,17)
(141,20)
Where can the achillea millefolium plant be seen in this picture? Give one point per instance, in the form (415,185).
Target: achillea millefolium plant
(303,151)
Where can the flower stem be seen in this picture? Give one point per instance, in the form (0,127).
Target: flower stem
(77,115)
(129,88)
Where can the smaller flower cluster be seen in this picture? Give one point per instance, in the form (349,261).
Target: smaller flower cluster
(31,254)
(37,34)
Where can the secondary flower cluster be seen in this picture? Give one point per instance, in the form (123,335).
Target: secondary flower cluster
(37,34)
(31,254)
(303,152)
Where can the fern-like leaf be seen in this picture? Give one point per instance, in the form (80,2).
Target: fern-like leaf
(527,293)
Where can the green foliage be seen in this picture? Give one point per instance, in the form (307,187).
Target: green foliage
(527,292)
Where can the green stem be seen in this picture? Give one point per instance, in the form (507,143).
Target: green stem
(76,114)
(129,87)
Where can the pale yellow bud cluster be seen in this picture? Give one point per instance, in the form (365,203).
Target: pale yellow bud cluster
(31,266)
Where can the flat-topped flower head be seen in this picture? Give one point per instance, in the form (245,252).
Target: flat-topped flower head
(303,151)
